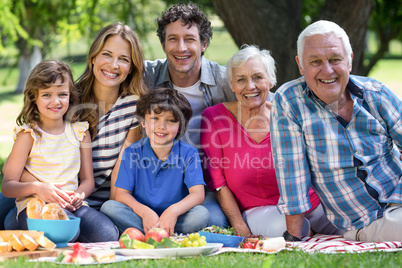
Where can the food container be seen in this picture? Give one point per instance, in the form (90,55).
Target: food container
(59,231)
(227,240)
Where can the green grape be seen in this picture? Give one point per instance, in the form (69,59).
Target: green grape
(184,242)
(194,240)
(188,244)
(196,236)
(191,237)
(201,242)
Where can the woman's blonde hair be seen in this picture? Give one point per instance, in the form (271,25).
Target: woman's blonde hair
(43,76)
(134,83)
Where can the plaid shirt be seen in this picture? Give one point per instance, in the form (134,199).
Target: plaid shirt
(313,146)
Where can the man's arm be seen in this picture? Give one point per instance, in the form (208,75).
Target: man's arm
(294,224)
(290,156)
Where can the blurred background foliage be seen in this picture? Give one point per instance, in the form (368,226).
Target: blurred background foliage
(31,30)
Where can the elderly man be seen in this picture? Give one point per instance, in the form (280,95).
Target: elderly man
(336,132)
(185,32)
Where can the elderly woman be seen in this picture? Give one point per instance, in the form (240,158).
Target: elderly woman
(235,137)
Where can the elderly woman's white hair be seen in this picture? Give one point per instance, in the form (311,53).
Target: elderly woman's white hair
(323,27)
(247,52)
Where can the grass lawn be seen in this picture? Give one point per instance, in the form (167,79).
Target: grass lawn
(242,260)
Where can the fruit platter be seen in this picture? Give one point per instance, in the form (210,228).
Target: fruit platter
(134,244)
(157,243)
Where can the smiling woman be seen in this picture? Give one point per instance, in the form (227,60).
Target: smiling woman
(111,66)
(110,86)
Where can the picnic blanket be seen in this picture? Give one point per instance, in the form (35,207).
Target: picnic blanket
(318,243)
(338,244)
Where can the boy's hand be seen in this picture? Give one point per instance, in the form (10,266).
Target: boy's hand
(149,220)
(168,221)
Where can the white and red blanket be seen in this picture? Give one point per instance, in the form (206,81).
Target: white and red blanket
(318,243)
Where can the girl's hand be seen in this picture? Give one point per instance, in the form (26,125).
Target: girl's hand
(149,220)
(76,200)
(51,193)
(167,221)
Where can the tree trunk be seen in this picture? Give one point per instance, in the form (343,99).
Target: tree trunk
(275,25)
(354,18)
(272,25)
(29,58)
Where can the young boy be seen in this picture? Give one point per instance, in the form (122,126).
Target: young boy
(160,181)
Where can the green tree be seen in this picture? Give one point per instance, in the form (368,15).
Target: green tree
(36,26)
(31,25)
(275,25)
(386,23)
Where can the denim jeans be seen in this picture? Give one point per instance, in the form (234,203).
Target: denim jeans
(217,217)
(124,217)
(7,216)
(94,226)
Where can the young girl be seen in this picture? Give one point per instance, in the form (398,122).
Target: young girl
(52,147)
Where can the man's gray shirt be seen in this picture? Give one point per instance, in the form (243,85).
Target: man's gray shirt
(214,86)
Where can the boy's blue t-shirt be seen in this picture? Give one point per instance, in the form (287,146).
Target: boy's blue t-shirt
(155,184)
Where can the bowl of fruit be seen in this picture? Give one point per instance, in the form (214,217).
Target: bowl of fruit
(226,236)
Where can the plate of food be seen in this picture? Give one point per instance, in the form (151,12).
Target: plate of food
(170,252)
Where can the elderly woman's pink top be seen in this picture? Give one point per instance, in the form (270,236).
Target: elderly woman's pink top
(235,160)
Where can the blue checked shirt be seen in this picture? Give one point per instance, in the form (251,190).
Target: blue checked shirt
(353,167)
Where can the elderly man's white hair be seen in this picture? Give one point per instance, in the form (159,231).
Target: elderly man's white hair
(247,52)
(323,27)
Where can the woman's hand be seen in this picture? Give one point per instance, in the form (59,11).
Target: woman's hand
(229,206)
(242,230)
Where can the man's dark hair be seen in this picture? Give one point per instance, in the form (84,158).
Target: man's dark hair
(188,14)
(163,100)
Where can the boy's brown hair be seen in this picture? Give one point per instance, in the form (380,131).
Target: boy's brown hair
(166,99)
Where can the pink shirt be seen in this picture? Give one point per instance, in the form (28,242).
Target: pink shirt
(235,160)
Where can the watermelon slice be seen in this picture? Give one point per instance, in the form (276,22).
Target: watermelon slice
(66,256)
(80,255)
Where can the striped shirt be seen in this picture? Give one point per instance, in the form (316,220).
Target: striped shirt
(106,146)
(54,158)
(314,146)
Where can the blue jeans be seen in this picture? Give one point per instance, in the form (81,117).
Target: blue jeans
(217,217)
(94,226)
(123,217)
(7,215)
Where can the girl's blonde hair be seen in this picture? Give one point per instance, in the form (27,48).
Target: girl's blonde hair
(43,76)
(134,83)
